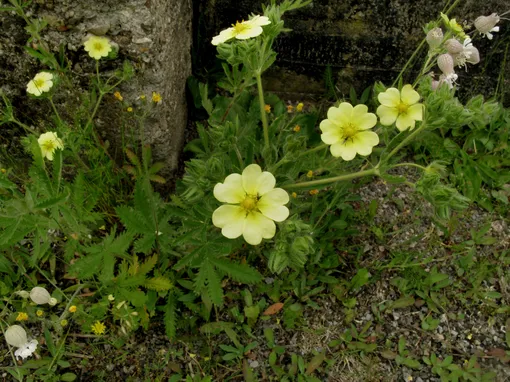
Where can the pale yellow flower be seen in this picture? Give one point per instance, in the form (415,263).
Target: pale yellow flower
(49,142)
(22,316)
(39,313)
(72,309)
(309,174)
(253,205)
(299,107)
(129,109)
(242,30)
(345,130)
(290,109)
(98,328)
(97,47)
(41,83)
(402,107)
(294,195)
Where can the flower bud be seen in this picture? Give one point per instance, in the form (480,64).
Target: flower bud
(484,24)
(40,296)
(453,46)
(53,301)
(434,37)
(16,336)
(23,294)
(434,85)
(445,63)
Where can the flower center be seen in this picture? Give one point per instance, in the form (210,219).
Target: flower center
(98,46)
(402,108)
(49,146)
(240,27)
(39,83)
(249,203)
(349,131)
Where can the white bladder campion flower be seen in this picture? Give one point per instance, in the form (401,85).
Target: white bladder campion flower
(253,205)
(401,107)
(435,38)
(41,83)
(16,336)
(97,47)
(41,296)
(49,142)
(242,30)
(468,54)
(487,24)
(346,130)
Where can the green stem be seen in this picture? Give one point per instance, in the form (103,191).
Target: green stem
(262,103)
(359,174)
(317,148)
(410,164)
(55,111)
(406,140)
(25,127)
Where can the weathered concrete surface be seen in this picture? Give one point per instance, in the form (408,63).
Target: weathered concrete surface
(362,41)
(155,35)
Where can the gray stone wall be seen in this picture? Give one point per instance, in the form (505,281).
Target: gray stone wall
(362,41)
(155,35)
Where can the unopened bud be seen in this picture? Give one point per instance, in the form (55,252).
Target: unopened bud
(434,37)
(445,63)
(40,296)
(23,294)
(15,335)
(484,24)
(453,46)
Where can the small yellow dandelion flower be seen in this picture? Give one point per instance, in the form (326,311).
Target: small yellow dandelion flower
(97,47)
(290,108)
(297,128)
(63,323)
(142,97)
(309,174)
(118,96)
(267,108)
(49,142)
(346,130)
(253,205)
(294,195)
(313,192)
(299,107)
(242,30)
(39,313)
(42,82)
(98,328)
(129,109)
(22,316)
(400,107)
(156,97)
(72,309)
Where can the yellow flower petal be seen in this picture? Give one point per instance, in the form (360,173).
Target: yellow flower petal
(387,115)
(332,137)
(390,98)
(416,112)
(249,33)
(340,115)
(365,121)
(228,214)
(231,190)
(271,204)
(404,122)
(257,227)
(408,95)
(345,150)
(256,182)
(364,141)
(224,36)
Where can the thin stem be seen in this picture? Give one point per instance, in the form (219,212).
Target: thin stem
(411,165)
(317,148)
(55,111)
(25,127)
(406,140)
(359,174)
(239,157)
(262,103)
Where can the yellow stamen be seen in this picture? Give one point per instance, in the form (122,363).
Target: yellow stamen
(249,203)
(402,108)
(239,27)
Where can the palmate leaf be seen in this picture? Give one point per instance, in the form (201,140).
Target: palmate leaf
(242,273)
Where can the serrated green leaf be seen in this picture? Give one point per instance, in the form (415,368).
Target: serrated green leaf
(171,316)
(242,273)
(158,284)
